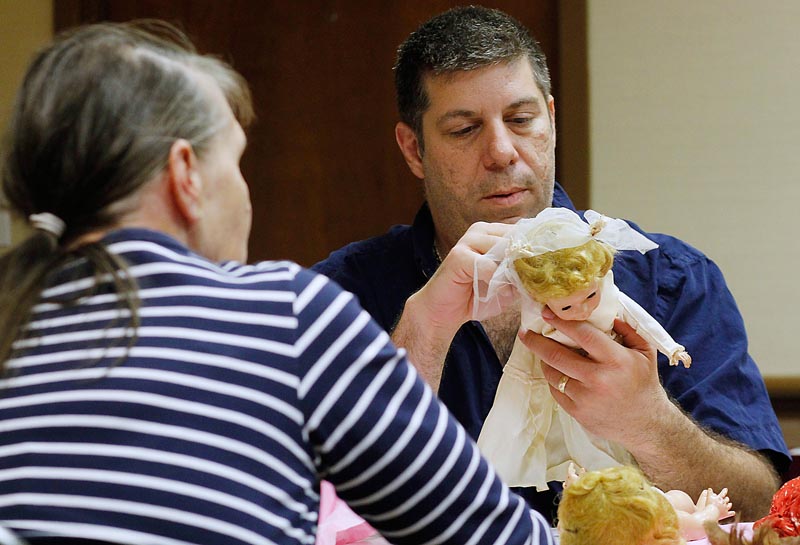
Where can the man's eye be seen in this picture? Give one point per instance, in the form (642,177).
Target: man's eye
(566,308)
(461,132)
(591,295)
(520,120)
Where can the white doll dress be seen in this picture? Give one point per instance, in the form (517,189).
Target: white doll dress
(527,436)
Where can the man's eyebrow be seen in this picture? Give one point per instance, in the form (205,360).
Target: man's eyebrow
(527,101)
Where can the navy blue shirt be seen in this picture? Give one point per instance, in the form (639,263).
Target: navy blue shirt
(678,285)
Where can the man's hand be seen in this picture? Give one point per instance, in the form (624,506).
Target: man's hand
(433,315)
(614,390)
(448,298)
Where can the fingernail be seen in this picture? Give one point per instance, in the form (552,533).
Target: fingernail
(547,314)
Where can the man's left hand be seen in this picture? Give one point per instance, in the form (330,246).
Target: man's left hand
(614,390)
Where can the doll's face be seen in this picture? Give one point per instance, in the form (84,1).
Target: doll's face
(578,306)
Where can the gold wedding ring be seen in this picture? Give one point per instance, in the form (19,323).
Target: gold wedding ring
(562,384)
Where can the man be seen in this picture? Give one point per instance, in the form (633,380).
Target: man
(478,128)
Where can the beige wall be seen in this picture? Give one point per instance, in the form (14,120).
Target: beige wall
(25,25)
(694,130)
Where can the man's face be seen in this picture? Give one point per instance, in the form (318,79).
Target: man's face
(489,147)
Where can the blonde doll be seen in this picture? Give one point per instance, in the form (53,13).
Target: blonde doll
(558,260)
(618,505)
(614,506)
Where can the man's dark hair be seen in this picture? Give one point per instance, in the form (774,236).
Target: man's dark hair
(460,39)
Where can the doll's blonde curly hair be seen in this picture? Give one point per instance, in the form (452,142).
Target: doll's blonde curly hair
(562,272)
(615,506)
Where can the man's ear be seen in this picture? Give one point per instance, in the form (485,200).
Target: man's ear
(185,182)
(409,146)
(551,108)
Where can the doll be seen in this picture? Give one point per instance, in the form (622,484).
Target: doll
(692,516)
(613,506)
(557,259)
(618,505)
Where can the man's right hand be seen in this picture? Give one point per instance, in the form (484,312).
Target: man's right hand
(433,315)
(447,300)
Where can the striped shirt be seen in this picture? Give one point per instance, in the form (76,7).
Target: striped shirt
(245,386)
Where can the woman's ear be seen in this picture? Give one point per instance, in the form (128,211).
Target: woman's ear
(410,148)
(185,181)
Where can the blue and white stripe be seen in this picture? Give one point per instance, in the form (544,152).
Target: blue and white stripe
(244,387)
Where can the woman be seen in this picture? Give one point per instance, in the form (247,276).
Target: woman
(154,392)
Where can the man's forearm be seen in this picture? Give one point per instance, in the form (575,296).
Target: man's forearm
(425,343)
(678,454)
(433,315)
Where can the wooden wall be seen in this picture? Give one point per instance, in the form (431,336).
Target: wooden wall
(322,162)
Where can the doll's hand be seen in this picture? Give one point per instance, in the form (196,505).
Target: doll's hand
(721,502)
(614,390)
(702,501)
(573,474)
(681,357)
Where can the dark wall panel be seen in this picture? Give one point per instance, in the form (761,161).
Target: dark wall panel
(322,162)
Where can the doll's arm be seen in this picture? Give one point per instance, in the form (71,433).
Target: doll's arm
(710,507)
(681,501)
(718,505)
(653,332)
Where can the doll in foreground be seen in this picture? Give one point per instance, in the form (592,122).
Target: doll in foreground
(618,505)
(558,260)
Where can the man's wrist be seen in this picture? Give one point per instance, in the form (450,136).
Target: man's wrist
(429,327)
(664,422)
(425,342)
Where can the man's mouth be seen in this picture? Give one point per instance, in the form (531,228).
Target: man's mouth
(507,198)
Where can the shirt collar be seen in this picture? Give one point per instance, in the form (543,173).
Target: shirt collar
(561,199)
(422,234)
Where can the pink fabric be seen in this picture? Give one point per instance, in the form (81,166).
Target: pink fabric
(748,533)
(338,524)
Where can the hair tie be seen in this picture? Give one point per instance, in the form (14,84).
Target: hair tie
(48,222)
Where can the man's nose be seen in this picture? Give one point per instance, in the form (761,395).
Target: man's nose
(501,151)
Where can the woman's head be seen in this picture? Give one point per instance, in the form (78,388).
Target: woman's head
(97,113)
(102,114)
(561,273)
(616,505)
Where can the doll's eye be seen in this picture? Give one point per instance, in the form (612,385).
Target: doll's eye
(591,295)
(566,308)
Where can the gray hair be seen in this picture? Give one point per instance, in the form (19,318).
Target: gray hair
(94,120)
